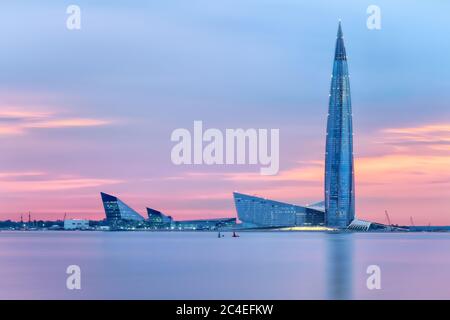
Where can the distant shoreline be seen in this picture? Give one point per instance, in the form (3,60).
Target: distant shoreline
(446,230)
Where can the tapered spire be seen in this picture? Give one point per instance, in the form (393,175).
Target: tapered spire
(339,34)
(339,174)
(340,48)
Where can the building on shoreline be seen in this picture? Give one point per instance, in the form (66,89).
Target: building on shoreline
(120,216)
(339,169)
(205,224)
(259,212)
(76,224)
(117,210)
(336,212)
(338,209)
(158,219)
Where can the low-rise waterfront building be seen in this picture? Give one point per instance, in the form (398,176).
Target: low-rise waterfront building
(260,212)
(76,224)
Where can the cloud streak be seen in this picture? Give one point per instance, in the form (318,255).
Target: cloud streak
(20,182)
(435,136)
(19,122)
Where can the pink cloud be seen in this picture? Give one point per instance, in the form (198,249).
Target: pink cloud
(17,182)
(17,121)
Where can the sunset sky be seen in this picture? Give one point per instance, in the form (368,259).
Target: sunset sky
(92,110)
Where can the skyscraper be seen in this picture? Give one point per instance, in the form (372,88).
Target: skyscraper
(339,173)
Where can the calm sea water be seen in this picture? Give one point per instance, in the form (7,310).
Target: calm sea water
(182,265)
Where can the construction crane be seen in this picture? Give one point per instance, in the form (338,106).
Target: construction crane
(388,219)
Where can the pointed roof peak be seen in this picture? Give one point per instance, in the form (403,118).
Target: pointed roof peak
(340,48)
(339,33)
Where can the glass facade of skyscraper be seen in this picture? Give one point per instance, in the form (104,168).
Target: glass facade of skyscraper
(339,172)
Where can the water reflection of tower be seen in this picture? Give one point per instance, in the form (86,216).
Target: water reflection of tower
(339,266)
